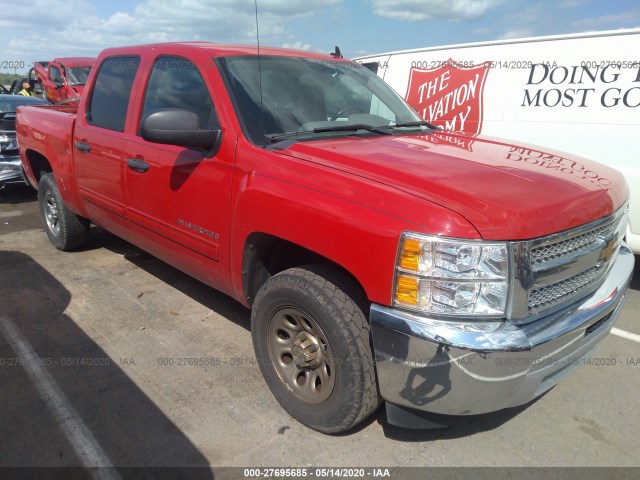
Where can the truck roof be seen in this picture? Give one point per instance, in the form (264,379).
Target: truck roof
(218,50)
(75,61)
(69,61)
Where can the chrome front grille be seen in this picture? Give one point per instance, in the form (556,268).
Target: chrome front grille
(559,269)
(555,292)
(556,250)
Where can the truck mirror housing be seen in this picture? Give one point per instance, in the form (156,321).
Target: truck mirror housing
(175,126)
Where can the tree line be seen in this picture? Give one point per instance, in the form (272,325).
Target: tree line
(7,78)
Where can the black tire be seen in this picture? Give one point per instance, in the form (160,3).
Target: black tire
(65,229)
(331,391)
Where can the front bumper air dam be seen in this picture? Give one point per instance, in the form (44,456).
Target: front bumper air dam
(468,368)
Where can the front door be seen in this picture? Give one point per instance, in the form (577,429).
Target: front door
(180,196)
(52,90)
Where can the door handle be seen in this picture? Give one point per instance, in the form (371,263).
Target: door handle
(84,147)
(138,165)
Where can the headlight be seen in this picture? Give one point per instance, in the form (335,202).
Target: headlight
(452,277)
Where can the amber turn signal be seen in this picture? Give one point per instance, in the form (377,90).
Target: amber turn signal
(407,290)
(410,255)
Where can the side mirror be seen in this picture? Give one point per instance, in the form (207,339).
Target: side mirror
(174,126)
(58,84)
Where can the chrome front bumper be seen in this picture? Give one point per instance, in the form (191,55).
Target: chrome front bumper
(466,368)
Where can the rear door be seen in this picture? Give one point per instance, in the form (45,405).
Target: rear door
(99,140)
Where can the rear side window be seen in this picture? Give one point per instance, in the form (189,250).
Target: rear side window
(111,92)
(176,83)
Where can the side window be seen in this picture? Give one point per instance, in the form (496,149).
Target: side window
(111,92)
(176,83)
(55,74)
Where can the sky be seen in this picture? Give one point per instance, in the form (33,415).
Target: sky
(45,29)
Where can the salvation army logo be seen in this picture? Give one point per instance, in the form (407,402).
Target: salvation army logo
(449,96)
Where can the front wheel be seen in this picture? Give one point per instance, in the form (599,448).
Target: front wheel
(312,342)
(65,229)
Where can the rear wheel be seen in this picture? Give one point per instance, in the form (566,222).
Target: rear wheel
(312,342)
(65,229)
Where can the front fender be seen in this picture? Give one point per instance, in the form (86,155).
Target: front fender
(354,222)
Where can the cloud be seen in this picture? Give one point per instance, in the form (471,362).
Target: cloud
(482,30)
(523,22)
(75,27)
(516,33)
(531,15)
(419,10)
(42,13)
(619,19)
(297,46)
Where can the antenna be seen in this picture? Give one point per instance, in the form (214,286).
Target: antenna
(260,73)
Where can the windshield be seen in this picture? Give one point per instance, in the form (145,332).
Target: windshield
(303,95)
(77,75)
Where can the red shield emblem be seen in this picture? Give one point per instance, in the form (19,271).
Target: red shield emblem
(449,96)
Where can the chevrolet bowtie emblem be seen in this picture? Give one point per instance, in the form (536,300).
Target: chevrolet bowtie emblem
(608,250)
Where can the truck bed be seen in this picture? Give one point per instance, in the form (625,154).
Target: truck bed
(47,128)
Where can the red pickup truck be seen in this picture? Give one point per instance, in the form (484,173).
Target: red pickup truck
(63,78)
(383,259)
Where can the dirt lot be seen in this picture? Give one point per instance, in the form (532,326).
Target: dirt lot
(110,326)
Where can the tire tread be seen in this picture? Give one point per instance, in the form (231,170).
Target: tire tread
(74,229)
(350,319)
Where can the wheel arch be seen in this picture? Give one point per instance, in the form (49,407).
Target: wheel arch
(265,255)
(38,164)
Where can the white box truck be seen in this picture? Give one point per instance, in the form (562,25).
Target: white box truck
(574,93)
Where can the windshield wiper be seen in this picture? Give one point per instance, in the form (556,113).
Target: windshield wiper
(420,123)
(353,127)
(276,137)
(338,128)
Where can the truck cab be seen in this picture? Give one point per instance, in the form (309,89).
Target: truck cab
(63,78)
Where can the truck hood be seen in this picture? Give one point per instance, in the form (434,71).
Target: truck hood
(506,191)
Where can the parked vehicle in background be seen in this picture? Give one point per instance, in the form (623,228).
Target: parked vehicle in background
(16,85)
(380,260)
(63,78)
(10,166)
(576,93)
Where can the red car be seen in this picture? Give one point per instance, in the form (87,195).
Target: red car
(382,259)
(63,78)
